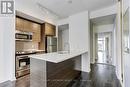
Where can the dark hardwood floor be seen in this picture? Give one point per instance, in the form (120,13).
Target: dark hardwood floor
(61,74)
(100,76)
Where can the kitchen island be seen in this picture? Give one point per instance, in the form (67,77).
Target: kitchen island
(54,69)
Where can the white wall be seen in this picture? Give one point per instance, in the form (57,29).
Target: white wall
(7,54)
(103,28)
(30,7)
(79,38)
(85,62)
(63,21)
(104,12)
(79,31)
(1,56)
(7,47)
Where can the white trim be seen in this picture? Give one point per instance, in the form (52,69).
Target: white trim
(104,12)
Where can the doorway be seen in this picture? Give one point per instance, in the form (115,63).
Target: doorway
(63,37)
(103,44)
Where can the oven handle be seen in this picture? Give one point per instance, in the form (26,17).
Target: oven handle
(22,57)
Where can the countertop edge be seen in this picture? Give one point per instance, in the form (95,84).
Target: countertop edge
(64,56)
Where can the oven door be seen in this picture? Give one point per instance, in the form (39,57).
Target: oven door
(22,63)
(22,66)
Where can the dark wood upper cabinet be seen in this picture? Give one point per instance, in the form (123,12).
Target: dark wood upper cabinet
(19,24)
(46,30)
(50,30)
(29,26)
(42,42)
(36,28)
(23,25)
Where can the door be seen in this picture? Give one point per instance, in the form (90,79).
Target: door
(104,48)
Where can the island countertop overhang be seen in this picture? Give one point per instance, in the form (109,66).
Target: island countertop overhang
(55,57)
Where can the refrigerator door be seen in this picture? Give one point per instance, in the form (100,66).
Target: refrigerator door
(51,41)
(51,44)
(51,49)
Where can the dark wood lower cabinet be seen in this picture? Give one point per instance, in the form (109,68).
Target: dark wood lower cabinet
(61,74)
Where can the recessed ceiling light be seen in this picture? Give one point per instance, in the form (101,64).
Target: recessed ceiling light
(70,1)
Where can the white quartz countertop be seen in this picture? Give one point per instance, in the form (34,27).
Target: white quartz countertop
(55,57)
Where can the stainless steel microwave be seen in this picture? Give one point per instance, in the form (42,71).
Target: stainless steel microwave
(23,36)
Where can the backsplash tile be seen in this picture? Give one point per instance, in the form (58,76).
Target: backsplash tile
(25,46)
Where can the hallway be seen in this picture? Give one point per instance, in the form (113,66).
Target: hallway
(104,47)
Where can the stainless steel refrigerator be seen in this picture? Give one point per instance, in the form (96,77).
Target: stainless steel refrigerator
(51,44)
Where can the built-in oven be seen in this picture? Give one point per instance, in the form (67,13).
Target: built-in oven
(23,36)
(22,65)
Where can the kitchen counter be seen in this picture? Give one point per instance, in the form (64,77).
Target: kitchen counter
(56,57)
(55,69)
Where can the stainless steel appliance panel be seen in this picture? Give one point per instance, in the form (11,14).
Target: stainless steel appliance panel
(51,44)
(23,36)
(22,66)
(51,49)
(51,41)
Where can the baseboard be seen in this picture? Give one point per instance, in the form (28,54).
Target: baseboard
(13,79)
(86,71)
(3,81)
(7,80)
(105,64)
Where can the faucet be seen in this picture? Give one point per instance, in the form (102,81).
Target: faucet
(67,47)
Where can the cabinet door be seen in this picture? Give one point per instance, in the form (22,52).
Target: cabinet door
(19,24)
(28,26)
(50,29)
(36,37)
(36,28)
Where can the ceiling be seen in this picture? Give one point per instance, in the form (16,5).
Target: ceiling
(64,8)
